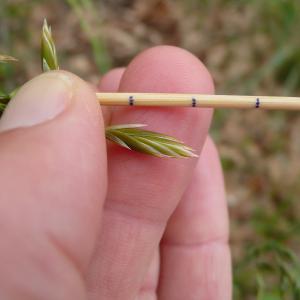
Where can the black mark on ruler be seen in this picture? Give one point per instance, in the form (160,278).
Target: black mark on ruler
(257,104)
(194,102)
(131,100)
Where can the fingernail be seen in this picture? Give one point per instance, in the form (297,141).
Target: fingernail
(38,101)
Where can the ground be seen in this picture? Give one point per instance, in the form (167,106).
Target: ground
(250,47)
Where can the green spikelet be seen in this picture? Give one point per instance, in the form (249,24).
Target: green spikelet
(48,51)
(132,137)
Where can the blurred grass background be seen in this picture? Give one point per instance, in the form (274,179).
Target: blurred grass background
(250,47)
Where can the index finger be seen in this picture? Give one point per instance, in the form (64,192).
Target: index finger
(143,190)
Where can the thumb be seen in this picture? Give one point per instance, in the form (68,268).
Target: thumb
(53,184)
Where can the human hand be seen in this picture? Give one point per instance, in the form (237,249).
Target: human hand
(139,227)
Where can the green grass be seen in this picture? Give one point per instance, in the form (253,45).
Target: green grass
(90,24)
(276,270)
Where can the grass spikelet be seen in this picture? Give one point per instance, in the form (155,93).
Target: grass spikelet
(132,137)
(48,51)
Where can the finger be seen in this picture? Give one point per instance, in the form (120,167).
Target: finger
(143,190)
(195,254)
(110,82)
(148,289)
(53,182)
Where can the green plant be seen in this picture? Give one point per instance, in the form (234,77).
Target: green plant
(128,136)
(277,272)
(132,137)
(89,22)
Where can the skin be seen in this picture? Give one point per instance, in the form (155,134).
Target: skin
(79,220)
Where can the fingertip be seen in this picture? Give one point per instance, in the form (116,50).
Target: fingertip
(109,83)
(169,69)
(111,80)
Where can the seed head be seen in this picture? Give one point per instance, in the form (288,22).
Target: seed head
(132,137)
(48,51)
